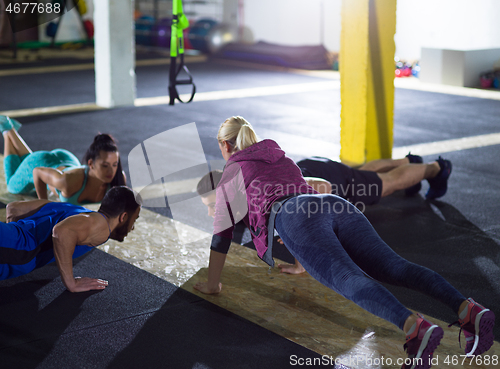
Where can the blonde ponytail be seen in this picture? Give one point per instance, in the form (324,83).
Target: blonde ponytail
(238,132)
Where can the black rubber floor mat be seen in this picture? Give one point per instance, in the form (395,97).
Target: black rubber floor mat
(138,321)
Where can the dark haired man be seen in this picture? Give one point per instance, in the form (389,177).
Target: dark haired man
(39,232)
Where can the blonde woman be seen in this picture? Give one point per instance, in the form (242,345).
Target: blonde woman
(333,241)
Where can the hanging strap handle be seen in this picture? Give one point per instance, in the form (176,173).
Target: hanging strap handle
(174,82)
(179,23)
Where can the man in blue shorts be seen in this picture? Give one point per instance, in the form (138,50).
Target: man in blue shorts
(39,232)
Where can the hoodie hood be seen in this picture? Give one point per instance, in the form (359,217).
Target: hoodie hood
(266,151)
(259,176)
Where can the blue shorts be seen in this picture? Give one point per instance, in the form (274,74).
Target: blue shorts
(20,253)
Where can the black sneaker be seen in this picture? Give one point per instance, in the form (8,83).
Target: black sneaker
(439,184)
(414,159)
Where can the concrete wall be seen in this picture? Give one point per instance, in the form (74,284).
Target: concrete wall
(445,24)
(456,67)
(295,22)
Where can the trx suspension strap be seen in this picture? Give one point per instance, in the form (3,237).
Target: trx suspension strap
(179,23)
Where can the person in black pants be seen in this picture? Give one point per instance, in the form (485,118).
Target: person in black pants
(367,184)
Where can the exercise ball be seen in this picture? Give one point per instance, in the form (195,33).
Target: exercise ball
(245,35)
(198,34)
(162,32)
(496,82)
(220,35)
(143,30)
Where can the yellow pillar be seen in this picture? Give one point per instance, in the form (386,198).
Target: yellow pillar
(367,79)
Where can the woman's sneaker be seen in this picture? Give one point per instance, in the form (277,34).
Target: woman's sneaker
(478,328)
(7,124)
(421,343)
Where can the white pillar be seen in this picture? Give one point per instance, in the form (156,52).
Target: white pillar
(114,45)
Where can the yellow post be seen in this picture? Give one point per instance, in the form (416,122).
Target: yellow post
(367,79)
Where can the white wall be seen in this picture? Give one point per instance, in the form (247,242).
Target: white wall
(294,22)
(452,24)
(446,24)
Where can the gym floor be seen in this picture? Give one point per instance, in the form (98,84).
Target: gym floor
(150,316)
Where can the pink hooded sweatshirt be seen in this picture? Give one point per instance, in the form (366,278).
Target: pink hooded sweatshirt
(253,179)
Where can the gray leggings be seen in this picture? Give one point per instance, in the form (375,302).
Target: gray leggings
(336,243)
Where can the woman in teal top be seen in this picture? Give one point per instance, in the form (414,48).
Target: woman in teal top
(59,170)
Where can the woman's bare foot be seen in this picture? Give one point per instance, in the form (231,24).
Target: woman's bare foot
(296,268)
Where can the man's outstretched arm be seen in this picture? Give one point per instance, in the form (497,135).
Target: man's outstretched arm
(75,230)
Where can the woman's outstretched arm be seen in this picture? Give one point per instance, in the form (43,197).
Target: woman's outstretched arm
(67,183)
(43,176)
